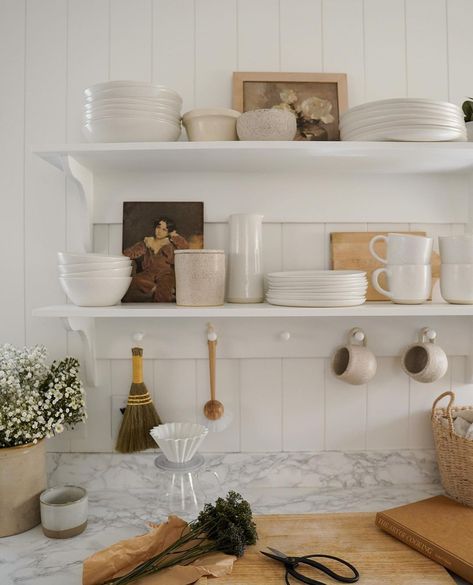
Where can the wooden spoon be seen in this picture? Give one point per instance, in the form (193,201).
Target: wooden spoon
(213,409)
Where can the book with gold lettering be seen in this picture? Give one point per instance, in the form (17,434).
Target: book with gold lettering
(438,527)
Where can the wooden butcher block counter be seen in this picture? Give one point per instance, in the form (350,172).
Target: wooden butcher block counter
(380,559)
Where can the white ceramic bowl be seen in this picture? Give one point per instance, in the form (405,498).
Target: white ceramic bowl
(456,249)
(95,292)
(120,114)
(65,269)
(106,273)
(129,88)
(456,283)
(131,130)
(179,441)
(211,124)
(74,258)
(123,109)
(171,105)
(268,124)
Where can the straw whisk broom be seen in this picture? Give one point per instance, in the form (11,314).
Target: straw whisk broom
(140,414)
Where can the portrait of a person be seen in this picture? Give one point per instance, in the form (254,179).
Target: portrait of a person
(153,263)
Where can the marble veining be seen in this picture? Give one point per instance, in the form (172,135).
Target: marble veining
(125,494)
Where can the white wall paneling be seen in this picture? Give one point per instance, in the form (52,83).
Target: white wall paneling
(52,49)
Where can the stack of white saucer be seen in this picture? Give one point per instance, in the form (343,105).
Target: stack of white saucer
(131,111)
(317,288)
(404,119)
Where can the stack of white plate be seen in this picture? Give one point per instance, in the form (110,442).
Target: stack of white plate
(94,280)
(131,111)
(317,288)
(404,119)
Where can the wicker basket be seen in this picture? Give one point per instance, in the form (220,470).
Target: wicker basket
(454,453)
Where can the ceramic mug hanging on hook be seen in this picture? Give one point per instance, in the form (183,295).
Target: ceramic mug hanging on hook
(354,363)
(425,361)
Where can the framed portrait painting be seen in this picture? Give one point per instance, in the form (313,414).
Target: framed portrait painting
(152,231)
(316,99)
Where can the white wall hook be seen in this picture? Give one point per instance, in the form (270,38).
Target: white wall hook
(138,336)
(211,333)
(359,335)
(430,333)
(285,336)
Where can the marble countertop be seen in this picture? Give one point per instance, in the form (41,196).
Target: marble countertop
(119,511)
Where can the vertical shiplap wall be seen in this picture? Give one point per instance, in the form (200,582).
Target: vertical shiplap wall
(51,49)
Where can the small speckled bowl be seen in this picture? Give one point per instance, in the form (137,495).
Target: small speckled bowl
(272,124)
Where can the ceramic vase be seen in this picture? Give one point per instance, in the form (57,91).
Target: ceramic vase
(22,479)
(469,131)
(245,280)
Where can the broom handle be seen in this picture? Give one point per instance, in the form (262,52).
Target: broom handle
(212,358)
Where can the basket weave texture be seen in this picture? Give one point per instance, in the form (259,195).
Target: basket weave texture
(454,453)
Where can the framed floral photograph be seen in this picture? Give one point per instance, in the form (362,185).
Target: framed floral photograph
(316,99)
(152,231)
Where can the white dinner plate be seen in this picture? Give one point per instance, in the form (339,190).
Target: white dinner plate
(290,303)
(315,273)
(404,102)
(408,134)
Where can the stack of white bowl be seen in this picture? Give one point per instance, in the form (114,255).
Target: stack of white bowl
(131,111)
(94,280)
(317,288)
(404,119)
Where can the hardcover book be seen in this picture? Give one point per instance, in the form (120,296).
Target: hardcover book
(438,527)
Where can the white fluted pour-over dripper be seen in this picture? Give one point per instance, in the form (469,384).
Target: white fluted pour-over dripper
(179,441)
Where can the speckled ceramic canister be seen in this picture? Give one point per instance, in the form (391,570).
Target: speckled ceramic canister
(200,277)
(354,363)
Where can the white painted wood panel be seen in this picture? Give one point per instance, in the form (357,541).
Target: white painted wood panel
(258,35)
(303,405)
(343,44)
(228,392)
(388,407)
(460,48)
(261,405)
(385,49)
(131,28)
(303,246)
(215,52)
(426,37)
(100,237)
(301,35)
(174,44)
(12,100)
(45,121)
(175,390)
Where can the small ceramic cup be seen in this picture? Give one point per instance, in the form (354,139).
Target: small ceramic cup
(424,361)
(64,511)
(456,249)
(403,249)
(354,363)
(409,284)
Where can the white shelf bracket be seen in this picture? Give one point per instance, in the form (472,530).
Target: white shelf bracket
(84,180)
(85,326)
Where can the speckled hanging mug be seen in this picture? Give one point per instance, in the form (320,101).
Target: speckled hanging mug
(354,363)
(424,361)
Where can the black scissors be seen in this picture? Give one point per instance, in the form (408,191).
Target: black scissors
(291,564)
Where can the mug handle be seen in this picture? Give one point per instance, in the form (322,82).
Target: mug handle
(372,250)
(376,285)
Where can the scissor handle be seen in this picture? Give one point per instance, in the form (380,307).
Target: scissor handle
(341,578)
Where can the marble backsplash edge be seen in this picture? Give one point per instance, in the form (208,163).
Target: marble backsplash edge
(321,470)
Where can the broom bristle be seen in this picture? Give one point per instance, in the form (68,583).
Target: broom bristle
(139,418)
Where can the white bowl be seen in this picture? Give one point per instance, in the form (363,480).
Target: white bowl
(65,269)
(120,114)
(131,130)
(211,124)
(179,441)
(171,105)
(456,283)
(74,258)
(147,109)
(95,292)
(135,91)
(267,124)
(105,273)
(130,86)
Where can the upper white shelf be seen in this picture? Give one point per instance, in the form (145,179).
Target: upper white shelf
(370,309)
(363,157)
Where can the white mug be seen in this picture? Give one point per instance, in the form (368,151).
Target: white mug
(63,511)
(403,249)
(456,283)
(409,284)
(456,249)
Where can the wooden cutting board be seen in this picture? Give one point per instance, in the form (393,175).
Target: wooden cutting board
(380,558)
(349,250)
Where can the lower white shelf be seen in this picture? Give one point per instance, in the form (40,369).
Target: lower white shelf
(163,310)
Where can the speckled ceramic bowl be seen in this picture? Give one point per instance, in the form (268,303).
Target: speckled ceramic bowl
(272,124)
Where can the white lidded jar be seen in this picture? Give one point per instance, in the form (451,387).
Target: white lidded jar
(245,281)
(200,277)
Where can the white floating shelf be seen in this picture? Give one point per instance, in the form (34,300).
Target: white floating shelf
(166,310)
(275,157)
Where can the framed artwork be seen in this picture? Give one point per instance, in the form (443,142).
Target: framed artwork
(316,99)
(152,231)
